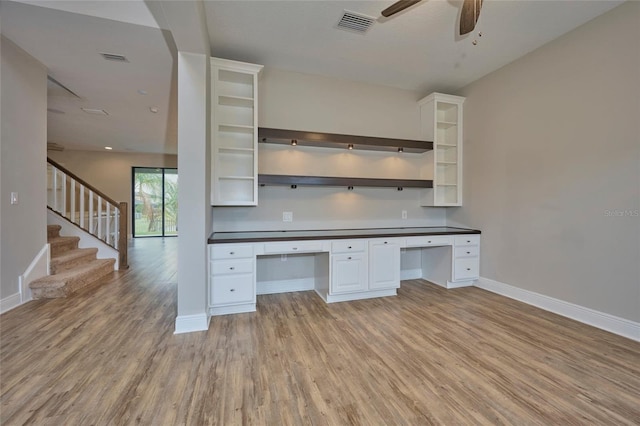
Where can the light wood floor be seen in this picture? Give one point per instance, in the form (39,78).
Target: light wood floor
(107,356)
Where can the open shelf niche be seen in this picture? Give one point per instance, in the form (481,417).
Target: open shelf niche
(333,141)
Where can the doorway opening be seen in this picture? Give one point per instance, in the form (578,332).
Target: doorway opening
(155,202)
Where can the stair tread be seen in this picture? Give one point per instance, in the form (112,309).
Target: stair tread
(64,277)
(72,254)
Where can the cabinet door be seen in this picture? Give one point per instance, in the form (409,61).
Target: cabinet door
(384,264)
(348,273)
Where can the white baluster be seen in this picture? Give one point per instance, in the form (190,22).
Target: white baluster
(55,189)
(99,217)
(72,203)
(64,195)
(91,228)
(82,212)
(107,224)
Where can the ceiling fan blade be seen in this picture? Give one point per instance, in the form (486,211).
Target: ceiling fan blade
(469,15)
(398,6)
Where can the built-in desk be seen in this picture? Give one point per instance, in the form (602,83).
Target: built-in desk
(350,264)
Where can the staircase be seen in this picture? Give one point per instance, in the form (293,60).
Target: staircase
(71,267)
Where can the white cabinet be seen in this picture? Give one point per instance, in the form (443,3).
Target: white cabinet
(232,283)
(234,133)
(348,273)
(348,267)
(441,122)
(384,264)
(466,257)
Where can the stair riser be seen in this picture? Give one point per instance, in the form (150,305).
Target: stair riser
(57,268)
(60,247)
(96,275)
(75,283)
(53,231)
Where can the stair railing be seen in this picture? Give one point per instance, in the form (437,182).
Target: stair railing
(88,208)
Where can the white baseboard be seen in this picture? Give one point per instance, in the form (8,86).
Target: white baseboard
(613,324)
(38,268)
(410,274)
(233,309)
(190,323)
(10,302)
(285,286)
(347,297)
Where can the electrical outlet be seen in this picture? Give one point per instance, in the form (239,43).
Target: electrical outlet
(404,214)
(287,216)
(14,198)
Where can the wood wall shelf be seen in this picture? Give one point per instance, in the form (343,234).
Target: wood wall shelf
(332,140)
(294,181)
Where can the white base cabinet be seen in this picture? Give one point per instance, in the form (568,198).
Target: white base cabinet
(384,264)
(345,269)
(232,279)
(349,272)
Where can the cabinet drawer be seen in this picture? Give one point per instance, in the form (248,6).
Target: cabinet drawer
(348,246)
(231,251)
(467,251)
(426,241)
(466,240)
(293,247)
(239,266)
(232,289)
(466,268)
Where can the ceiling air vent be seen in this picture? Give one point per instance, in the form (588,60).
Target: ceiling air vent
(114,57)
(355,22)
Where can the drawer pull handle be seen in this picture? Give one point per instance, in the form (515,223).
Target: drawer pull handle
(231,268)
(429,241)
(468,252)
(349,247)
(468,269)
(385,242)
(295,248)
(232,289)
(468,241)
(232,253)
(349,257)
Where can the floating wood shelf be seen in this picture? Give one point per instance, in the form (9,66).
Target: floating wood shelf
(294,181)
(332,140)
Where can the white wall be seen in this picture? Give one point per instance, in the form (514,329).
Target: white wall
(23,163)
(297,101)
(552,152)
(110,172)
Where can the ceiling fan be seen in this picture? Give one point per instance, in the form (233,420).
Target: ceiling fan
(468,16)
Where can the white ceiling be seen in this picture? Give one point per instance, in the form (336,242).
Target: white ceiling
(417,50)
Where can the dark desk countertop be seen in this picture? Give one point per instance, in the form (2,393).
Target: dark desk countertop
(333,234)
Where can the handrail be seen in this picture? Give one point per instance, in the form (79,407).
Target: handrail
(82,181)
(88,208)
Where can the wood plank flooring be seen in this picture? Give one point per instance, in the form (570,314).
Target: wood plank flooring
(108,356)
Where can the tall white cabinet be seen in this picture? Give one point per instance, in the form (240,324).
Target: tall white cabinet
(441,122)
(234,133)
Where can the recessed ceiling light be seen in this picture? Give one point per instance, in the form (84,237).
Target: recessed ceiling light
(142,92)
(95,111)
(154,110)
(108,148)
